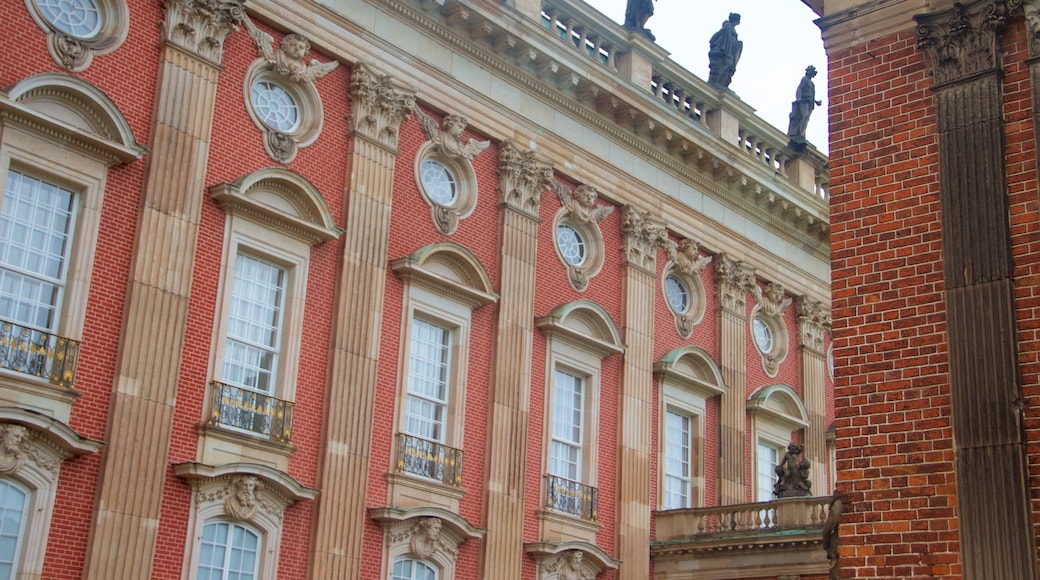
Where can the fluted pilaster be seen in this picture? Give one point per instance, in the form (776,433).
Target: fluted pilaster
(734,280)
(127,518)
(522,180)
(813,322)
(379,105)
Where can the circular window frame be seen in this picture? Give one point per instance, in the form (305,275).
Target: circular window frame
(75,53)
(685,321)
(283,147)
(446,217)
(580,275)
(770,359)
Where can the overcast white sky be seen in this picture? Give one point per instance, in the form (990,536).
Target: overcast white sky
(779,38)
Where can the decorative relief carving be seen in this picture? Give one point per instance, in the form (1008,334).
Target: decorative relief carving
(69,51)
(445,148)
(14,448)
(963,40)
(642,234)
(686,265)
(580,212)
(734,280)
(379,105)
(1032,13)
(581,203)
(448,141)
(200,26)
(687,257)
(242,496)
(425,538)
(288,60)
(521,178)
(241,502)
(771,302)
(813,322)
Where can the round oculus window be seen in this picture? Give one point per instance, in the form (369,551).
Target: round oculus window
(764,339)
(275,106)
(678,294)
(77,18)
(439,182)
(571,244)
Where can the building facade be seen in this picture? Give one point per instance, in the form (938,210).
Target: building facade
(399,289)
(935,219)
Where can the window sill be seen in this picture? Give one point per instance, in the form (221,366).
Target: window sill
(409,490)
(561,527)
(37,394)
(219,445)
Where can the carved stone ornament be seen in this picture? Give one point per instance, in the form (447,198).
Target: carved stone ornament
(200,26)
(425,538)
(734,280)
(792,475)
(379,105)
(579,211)
(687,263)
(1032,13)
(962,41)
(521,178)
(241,503)
(445,147)
(813,322)
(687,257)
(70,52)
(771,302)
(14,447)
(289,59)
(567,566)
(242,497)
(448,141)
(581,203)
(642,234)
(281,147)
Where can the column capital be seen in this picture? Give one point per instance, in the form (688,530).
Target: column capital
(379,105)
(813,322)
(521,179)
(962,41)
(642,234)
(734,280)
(200,26)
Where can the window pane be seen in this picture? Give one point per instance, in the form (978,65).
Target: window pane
(228,552)
(254,324)
(12,522)
(428,376)
(768,458)
(677,467)
(35,225)
(567,426)
(408,569)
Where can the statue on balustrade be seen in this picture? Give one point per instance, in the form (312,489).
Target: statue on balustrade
(724,51)
(803,105)
(636,14)
(792,475)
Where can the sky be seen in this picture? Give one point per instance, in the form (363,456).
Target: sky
(779,38)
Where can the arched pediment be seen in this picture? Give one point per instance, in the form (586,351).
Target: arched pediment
(76,111)
(450,268)
(452,522)
(551,556)
(585,323)
(692,368)
(781,404)
(282,198)
(275,480)
(58,433)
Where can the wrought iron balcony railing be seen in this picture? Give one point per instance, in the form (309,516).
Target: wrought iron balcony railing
(250,410)
(570,497)
(38,353)
(429,459)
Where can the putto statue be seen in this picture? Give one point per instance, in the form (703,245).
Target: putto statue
(803,105)
(449,139)
(288,59)
(792,475)
(724,51)
(636,14)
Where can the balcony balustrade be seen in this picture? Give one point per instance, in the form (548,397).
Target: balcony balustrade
(253,411)
(38,353)
(571,497)
(429,459)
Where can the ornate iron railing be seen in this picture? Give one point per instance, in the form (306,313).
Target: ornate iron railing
(429,459)
(252,411)
(570,497)
(38,353)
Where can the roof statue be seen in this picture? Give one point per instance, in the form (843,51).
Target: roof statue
(636,14)
(803,105)
(724,50)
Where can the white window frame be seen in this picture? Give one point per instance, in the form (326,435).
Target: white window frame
(232,524)
(581,379)
(778,417)
(432,566)
(571,360)
(775,444)
(694,442)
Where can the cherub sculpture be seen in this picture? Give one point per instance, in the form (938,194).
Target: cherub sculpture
(772,300)
(582,203)
(288,59)
(449,139)
(687,256)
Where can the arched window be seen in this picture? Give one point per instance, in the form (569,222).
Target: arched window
(13,498)
(229,551)
(409,569)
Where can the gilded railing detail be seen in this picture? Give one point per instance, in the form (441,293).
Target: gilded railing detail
(38,353)
(571,497)
(253,411)
(429,459)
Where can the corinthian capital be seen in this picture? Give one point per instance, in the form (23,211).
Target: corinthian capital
(642,234)
(379,105)
(521,178)
(733,280)
(962,41)
(200,26)
(813,322)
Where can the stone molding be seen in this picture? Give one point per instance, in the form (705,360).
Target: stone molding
(642,234)
(444,145)
(579,210)
(962,41)
(76,53)
(813,323)
(522,178)
(428,533)
(379,104)
(570,560)
(686,262)
(200,26)
(734,280)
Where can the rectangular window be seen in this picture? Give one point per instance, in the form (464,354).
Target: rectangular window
(768,459)
(568,425)
(677,452)
(428,377)
(36,220)
(254,324)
